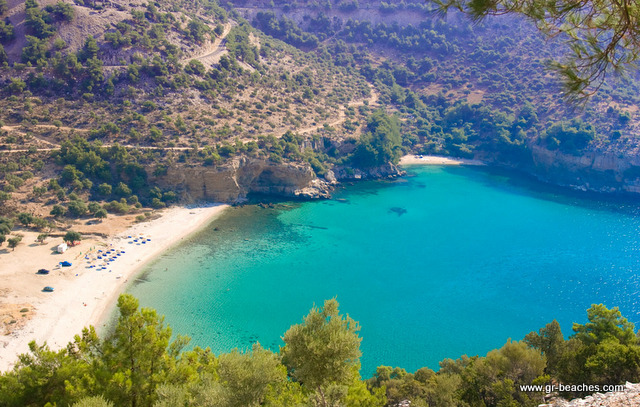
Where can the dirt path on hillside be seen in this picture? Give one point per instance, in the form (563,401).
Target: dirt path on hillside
(342,117)
(211,54)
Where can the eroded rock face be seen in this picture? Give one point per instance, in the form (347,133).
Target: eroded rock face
(232,182)
(388,171)
(628,397)
(594,171)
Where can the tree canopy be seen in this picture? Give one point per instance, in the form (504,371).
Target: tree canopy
(323,350)
(602,35)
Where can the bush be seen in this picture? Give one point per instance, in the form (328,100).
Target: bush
(14,241)
(157,203)
(25,218)
(61,11)
(381,144)
(104,189)
(117,207)
(122,190)
(72,237)
(58,211)
(77,208)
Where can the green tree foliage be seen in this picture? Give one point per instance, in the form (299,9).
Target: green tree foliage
(138,365)
(25,218)
(104,189)
(89,49)
(136,355)
(58,211)
(72,237)
(77,208)
(495,379)
(16,86)
(569,137)
(250,377)
(6,32)
(284,29)
(34,380)
(122,190)
(100,213)
(381,143)
(603,36)
(194,67)
(240,47)
(323,351)
(37,20)
(197,30)
(35,50)
(550,341)
(97,401)
(60,11)
(93,207)
(604,350)
(13,242)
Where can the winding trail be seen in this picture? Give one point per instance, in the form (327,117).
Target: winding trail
(211,54)
(342,117)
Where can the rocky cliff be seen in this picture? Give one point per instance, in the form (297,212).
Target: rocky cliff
(610,172)
(387,171)
(630,397)
(232,182)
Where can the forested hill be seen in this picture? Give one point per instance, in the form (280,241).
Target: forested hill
(468,88)
(115,105)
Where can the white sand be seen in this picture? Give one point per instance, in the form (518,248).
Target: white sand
(83,296)
(435,160)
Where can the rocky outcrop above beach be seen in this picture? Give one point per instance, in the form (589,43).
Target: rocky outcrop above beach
(386,171)
(610,172)
(630,397)
(232,182)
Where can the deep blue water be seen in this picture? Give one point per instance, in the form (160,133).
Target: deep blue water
(446,262)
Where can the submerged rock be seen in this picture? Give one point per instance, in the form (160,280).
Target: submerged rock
(398,210)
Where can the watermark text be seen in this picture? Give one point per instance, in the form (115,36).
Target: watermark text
(592,388)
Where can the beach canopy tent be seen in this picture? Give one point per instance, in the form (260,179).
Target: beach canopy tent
(65,264)
(62,248)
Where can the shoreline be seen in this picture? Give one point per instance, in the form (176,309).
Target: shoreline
(437,160)
(84,295)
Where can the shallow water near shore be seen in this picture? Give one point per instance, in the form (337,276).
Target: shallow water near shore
(445,262)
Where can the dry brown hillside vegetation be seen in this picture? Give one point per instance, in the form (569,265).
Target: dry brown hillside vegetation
(100,99)
(99,95)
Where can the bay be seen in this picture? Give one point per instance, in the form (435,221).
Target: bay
(445,262)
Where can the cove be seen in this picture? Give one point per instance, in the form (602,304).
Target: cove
(445,262)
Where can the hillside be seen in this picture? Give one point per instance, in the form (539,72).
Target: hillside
(470,89)
(125,105)
(119,94)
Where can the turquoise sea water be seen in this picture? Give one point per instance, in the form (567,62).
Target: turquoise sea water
(446,262)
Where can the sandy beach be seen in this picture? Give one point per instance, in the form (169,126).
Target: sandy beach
(85,292)
(435,160)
